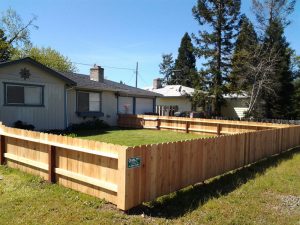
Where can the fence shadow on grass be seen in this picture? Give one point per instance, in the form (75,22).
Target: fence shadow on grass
(186,200)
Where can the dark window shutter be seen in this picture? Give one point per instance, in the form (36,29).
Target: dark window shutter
(82,102)
(15,95)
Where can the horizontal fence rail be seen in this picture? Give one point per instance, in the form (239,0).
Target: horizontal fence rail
(128,176)
(168,167)
(195,125)
(87,166)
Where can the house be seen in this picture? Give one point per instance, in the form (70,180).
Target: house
(176,98)
(48,99)
(235,105)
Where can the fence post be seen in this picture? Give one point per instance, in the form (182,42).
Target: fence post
(187,126)
(218,129)
(158,124)
(122,172)
(2,150)
(52,164)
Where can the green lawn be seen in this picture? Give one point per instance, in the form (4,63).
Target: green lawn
(134,137)
(267,192)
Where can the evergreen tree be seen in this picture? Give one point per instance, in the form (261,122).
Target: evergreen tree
(279,104)
(5,48)
(296,99)
(216,47)
(245,46)
(166,67)
(185,65)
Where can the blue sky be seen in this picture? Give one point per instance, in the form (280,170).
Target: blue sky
(118,33)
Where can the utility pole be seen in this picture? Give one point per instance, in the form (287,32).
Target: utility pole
(136,74)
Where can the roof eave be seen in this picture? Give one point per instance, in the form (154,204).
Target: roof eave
(40,65)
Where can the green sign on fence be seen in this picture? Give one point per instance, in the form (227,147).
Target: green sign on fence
(134,162)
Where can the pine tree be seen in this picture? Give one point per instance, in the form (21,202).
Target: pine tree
(185,65)
(245,45)
(5,48)
(166,67)
(296,99)
(279,104)
(216,47)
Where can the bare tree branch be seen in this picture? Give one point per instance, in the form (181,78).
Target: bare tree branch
(17,32)
(260,69)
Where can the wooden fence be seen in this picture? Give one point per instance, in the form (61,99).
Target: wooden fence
(195,125)
(168,167)
(90,167)
(166,110)
(128,176)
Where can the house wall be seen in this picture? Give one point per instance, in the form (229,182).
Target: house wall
(234,108)
(51,115)
(109,108)
(183,103)
(144,105)
(138,106)
(125,105)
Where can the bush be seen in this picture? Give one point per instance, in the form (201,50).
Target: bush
(89,125)
(22,125)
(151,114)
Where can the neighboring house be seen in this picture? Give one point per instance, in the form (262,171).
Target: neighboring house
(176,96)
(38,95)
(235,105)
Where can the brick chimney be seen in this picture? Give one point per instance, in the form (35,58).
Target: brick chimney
(157,83)
(97,73)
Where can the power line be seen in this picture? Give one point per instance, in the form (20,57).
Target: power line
(142,79)
(135,71)
(111,67)
(132,76)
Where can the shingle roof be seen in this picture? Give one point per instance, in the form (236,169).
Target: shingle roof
(84,82)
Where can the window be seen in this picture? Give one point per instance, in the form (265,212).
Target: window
(88,101)
(23,94)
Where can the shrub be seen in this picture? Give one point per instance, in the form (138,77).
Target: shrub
(22,125)
(151,113)
(89,125)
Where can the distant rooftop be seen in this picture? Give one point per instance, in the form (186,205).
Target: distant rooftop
(172,90)
(240,95)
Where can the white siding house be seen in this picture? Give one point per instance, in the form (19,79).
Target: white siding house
(235,106)
(38,99)
(172,96)
(37,95)
(177,95)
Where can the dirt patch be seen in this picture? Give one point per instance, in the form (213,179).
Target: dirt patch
(284,204)
(291,202)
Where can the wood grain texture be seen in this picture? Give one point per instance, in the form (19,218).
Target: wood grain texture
(171,166)
(102,170)
(195,125)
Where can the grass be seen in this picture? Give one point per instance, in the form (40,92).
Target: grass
(267,192)
(134,137)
